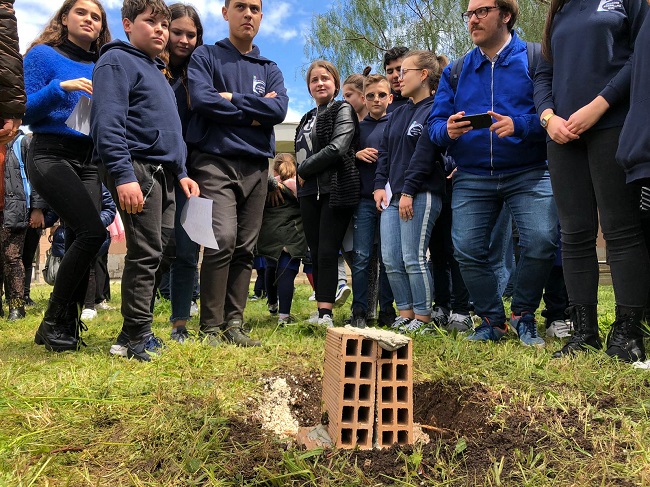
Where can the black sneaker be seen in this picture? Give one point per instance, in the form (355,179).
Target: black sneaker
(358,319)
(235,333)
(145,349)
(386,318)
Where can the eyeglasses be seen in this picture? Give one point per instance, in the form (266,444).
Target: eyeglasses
(371,96)
(403,71)
(480,13)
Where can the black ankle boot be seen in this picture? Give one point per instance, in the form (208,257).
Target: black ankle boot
(16,309)
(74,323)
(54,331)
(585,331)
(625,339)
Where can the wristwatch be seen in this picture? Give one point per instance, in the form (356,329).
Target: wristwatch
(544,121)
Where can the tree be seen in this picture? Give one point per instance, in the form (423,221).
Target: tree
(356,33)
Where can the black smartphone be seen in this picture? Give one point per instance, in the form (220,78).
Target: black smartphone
(479,121)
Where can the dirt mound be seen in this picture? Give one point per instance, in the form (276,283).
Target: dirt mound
(471,429)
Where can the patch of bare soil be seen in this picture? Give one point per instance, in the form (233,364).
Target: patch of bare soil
(467,423)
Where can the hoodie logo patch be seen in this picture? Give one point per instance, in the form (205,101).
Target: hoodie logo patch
(610,6)
(415,129)
(259,86)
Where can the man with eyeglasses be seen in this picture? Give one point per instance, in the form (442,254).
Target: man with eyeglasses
(504,163)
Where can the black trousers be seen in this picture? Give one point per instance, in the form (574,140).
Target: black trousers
(144,245)
(588,183)
(324,230)
(61,171)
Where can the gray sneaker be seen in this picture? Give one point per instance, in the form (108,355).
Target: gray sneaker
(560,329)
(326,321)
(460,323)
(180,334)
(235,333)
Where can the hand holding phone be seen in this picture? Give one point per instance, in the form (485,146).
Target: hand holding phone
(478,121)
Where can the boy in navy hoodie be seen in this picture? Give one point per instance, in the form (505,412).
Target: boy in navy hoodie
(237,97)
(377,98)
(138,138)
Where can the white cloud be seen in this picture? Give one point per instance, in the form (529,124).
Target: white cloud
(32,16)
(278,16)
(293,115)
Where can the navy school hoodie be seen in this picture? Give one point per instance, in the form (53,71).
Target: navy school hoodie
(407,157)
(134,115)
(225,128)
(371,132)
(634,144)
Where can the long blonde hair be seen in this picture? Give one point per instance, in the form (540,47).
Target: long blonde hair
(284,165)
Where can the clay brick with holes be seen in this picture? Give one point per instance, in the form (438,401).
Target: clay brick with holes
(349,388)
(394,396)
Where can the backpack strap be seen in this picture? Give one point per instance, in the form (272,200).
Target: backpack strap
(534,52)
(18,152)
(454,73)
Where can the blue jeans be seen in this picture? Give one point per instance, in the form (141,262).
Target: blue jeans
(365,223)
(404,247)
(477,202)
(183,268)
(502,252)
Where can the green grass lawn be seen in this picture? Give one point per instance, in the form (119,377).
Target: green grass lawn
(498,414)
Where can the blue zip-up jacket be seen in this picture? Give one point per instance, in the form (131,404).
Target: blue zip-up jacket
(407,157)
(371,131)
(634,144)
(505,88)
(49,105)
(225,128)
(134,115)
(591,43)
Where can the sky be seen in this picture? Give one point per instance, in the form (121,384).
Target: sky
(281,37)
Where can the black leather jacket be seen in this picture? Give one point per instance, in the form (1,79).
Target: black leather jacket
(316,169)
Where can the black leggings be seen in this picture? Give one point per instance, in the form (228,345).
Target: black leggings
(324,230)
(61,171)
(587,182)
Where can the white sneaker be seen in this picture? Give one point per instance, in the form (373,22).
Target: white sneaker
(313,296)
(641,365)
(342,295)
(194,309)
(313,318)
(326,321)
(118,350)
(560,329)
(88,314)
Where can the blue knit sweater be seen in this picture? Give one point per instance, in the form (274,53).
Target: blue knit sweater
(49,105)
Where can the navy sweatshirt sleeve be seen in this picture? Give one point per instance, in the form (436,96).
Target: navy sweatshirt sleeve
(266,111)
(108,126)
(619,86)
(442,109)
(381,174)
(107,214)
(421,166)
(544,87)
(205,98)
(332,153)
